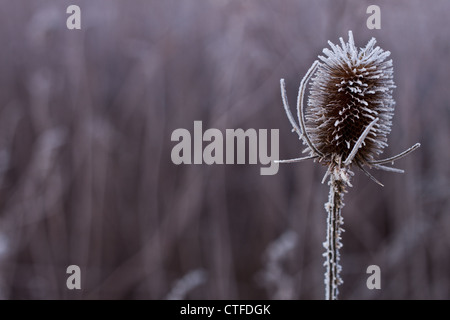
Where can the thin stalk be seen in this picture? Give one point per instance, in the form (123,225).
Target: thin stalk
(334,230)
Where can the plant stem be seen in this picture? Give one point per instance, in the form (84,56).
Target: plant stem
(334,229)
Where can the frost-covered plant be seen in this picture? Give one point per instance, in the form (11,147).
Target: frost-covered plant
(347,122)
(278,282)
(187,283)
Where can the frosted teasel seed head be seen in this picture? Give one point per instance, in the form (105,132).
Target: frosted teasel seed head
(350,109)
(349,90)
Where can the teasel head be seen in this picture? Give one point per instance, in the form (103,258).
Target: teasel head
(350,108)
(350,89)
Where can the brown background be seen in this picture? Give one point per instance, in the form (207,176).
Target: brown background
(86,176)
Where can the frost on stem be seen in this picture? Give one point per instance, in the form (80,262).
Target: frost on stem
(334,229)
(280,284)
(187,283)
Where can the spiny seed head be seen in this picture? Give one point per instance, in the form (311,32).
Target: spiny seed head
(349,90)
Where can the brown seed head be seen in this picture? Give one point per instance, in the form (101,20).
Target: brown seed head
(349,90)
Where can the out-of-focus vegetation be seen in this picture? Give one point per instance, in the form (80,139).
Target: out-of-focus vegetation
(86,176)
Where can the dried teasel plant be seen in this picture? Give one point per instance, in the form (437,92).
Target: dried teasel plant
(348,119)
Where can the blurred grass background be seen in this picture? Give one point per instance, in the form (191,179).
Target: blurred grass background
(86,176)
